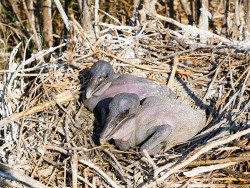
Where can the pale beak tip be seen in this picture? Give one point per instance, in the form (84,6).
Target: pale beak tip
(102,141)
(88,94)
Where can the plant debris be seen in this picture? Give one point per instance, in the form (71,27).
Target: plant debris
(50,139)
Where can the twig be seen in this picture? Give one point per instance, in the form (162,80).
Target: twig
(11,184)
(32,25)
(149,159)
(205,149)
(12,174)
(220,161)
(105,176)
(188,28)
(12,67)
(172,76)
(231,99)
(213,80)
(142,66)
(243,88)
(87,163)
(63,14)
(59,165)
(60,98)
(96,21)
(236,82)
(112,17)
(74,167)
(119,27)
(115,160)
(202,169)
(65,173)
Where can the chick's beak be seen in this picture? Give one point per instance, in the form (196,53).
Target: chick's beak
(109,129)
(97,87)
(92,85)
(102,141)
(89,93)
(112,126)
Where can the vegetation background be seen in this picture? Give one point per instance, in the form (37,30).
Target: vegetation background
(200,49)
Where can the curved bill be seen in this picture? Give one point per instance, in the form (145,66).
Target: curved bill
(113,126)
(96,88)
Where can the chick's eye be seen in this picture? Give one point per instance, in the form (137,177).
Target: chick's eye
(103,78)
(125,112)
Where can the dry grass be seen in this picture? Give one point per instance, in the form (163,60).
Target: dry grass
(49,135)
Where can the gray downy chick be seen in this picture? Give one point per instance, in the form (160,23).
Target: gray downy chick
(104,84)
(159,122)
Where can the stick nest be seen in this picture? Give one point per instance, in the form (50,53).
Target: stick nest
(51,138)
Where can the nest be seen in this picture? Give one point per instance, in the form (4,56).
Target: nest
(50,138)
